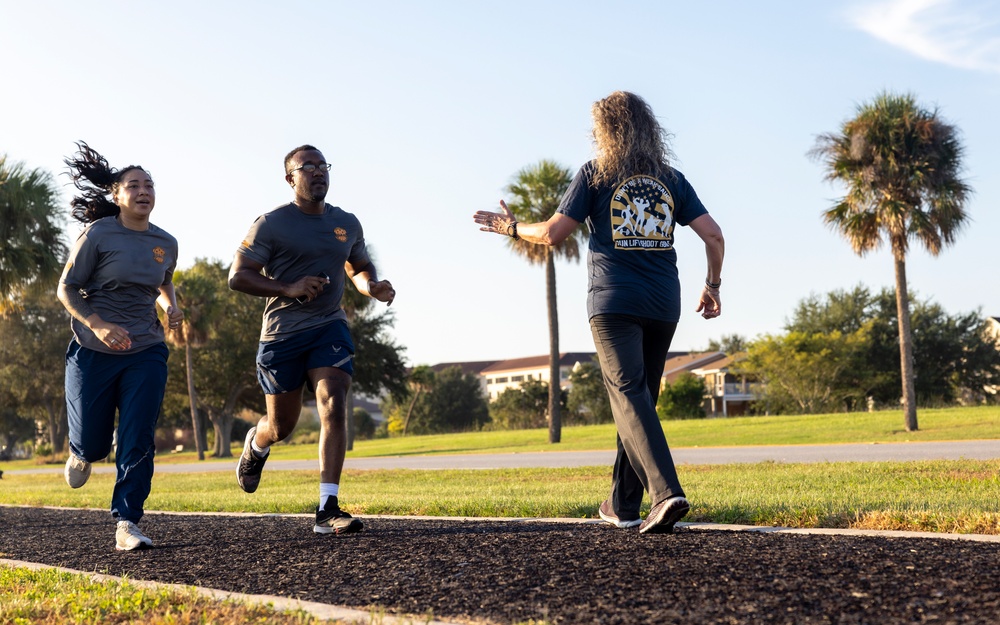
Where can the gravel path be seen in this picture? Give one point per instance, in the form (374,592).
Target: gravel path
(510,572)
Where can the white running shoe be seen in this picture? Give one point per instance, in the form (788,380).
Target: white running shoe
(77,471)
(129,537)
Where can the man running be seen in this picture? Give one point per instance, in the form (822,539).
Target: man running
(297,256)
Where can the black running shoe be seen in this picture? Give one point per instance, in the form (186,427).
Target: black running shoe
(249,467)
(332,520)
(662,516)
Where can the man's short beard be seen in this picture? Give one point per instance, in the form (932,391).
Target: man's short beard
(317,197)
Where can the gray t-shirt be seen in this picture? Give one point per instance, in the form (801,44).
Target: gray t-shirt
(119,272)
(292,244)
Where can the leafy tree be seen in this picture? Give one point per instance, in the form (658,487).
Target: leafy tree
(456,404)
(32,363)
(31,233)
(378,363)
(805,373)
(199,296)
(226,326)
(521,408)
(421,379)
(453,402)
(729,344)
(840,310)
(588,401)
(364,424)
(537,191)
(850,313)
(901,164)
(683,399)
(14,427)
(954,356)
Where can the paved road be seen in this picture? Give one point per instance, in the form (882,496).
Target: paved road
(854,452)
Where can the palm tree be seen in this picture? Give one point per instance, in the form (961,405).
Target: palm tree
(197,291)
(901,164)
(421,379)
(537,190)
(31,233)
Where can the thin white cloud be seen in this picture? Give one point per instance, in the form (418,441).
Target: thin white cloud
(957,33)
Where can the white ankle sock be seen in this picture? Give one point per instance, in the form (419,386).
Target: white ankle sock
(257,450)
(327,490)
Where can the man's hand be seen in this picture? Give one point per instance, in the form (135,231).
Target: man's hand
(382,291)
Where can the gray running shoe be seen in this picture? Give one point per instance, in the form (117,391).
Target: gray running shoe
(608,514)
(662,516)
(249,467)
(332,520)
(128,537)
(77,471)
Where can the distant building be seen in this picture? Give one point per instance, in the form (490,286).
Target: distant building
(475,367)
(726,394)
(505,374)
(994,322)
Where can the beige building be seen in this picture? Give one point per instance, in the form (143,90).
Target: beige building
(504,374)
(726,394)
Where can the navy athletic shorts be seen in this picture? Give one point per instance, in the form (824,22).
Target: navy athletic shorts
(282,364)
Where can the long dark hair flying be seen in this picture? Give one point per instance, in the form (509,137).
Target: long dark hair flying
(96,181)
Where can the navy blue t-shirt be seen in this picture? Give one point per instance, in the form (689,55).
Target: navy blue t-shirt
(632,262)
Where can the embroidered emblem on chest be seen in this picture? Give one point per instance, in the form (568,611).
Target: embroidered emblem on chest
(159,254)
(341,234)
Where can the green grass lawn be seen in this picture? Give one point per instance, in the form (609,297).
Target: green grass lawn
(942,496)
(974,423)
(860,427)
(50,597)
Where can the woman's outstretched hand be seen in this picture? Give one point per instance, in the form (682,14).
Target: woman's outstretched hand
(500,223)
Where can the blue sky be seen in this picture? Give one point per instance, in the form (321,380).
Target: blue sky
(427,110)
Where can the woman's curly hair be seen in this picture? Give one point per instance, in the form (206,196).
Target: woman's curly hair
(96,181)
(629,139)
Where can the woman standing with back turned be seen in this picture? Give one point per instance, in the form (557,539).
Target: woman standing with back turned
(119,269)
(631,199)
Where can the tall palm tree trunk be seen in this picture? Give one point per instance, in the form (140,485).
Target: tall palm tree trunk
(409,411)
(905,345)
(555,418)
(193,398)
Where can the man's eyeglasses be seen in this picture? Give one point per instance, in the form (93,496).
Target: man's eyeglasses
(309,168)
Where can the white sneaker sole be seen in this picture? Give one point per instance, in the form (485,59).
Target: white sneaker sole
(618,522)
(666,517)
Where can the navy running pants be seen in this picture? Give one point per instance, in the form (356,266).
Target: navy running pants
(98,386)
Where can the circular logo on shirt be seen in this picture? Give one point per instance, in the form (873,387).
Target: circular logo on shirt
(341,234)
(642,215)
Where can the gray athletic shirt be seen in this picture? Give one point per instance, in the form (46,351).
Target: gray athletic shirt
(120,272)
(292,244)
